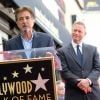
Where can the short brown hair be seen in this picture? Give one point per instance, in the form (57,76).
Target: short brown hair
(80,23)
(24,8)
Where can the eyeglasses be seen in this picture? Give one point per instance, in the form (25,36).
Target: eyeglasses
(24,18)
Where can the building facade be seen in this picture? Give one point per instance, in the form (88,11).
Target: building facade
(46,20)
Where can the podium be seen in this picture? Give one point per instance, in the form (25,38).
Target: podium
(23,78)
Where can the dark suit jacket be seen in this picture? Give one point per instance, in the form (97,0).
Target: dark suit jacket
(72,71)
(39,40)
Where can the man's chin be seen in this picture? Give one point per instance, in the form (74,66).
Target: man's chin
(76,41)
(25,30)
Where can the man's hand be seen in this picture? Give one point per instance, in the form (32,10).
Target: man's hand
(84,85)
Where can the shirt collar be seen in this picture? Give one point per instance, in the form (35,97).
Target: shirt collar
(74,44)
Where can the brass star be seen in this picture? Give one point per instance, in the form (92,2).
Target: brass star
(5,78)
(15,74)
(28,69)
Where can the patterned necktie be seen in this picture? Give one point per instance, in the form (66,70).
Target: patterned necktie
(79,55)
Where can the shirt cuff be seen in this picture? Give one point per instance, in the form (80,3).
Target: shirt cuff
(90,82)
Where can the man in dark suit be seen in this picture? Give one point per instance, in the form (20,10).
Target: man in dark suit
(80,67)
(28,38)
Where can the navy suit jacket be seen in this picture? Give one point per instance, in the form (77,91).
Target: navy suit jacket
(39,40)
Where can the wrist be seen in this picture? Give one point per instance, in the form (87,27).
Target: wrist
(89,81)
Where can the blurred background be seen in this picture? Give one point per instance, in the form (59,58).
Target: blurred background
(54,17)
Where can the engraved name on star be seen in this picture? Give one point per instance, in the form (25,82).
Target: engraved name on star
(40,83)
(28,69)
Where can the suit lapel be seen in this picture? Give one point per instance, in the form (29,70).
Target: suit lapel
(85,53)
(35,40)
(20,47)
(35,44)
(19,41)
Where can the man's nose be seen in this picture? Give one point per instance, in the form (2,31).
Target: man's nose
(76,32)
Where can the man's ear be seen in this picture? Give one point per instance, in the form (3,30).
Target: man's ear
(85,33)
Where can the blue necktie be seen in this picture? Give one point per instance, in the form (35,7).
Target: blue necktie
(79,55)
